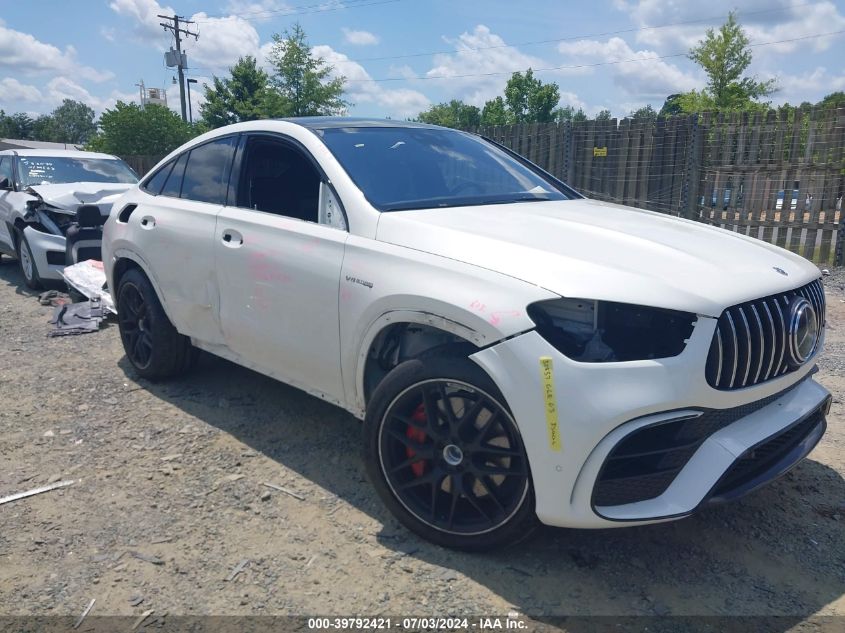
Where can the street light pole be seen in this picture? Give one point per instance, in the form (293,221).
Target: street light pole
(190,112)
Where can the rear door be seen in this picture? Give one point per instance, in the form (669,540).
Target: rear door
(278,267)
(176,225)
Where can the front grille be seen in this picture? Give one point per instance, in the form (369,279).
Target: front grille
(750,342)
(643,464)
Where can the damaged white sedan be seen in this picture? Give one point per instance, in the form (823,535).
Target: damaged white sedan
(517,351)
(52,207)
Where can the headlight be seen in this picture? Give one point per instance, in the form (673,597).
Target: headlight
(604,331)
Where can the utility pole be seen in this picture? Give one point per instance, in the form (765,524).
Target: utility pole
(172,24)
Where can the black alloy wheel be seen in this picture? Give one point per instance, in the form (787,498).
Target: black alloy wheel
(446,456)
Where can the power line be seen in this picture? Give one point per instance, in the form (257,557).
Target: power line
(577,66)
(317,8)
(567,38)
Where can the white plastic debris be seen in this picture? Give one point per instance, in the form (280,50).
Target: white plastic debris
(825,272)
(89,278)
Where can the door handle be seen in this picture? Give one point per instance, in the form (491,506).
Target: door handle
(232,239)
(148,222)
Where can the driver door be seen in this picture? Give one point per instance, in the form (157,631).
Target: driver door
(278,268)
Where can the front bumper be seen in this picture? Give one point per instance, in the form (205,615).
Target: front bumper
(600,404)
(48,252)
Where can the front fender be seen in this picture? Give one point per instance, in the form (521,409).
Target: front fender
(382,284)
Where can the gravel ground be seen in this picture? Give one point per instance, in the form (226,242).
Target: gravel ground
(169,501)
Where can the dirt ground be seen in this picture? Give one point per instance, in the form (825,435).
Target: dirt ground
(169,500)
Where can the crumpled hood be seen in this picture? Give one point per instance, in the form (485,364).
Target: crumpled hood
(595,250)
(69,196)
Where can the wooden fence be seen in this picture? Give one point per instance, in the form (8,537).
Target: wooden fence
(779,177)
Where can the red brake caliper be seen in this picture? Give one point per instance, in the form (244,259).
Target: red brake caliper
(418,435)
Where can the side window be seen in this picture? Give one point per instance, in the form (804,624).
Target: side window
(277,178)
(153,185)
(207,174)
(6,169)
(173,185)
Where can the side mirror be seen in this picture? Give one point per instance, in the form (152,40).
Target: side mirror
(5,184)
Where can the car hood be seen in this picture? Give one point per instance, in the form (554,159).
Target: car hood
(68,196)
(595,250)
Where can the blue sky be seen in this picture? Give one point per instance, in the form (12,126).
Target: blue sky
(400,56)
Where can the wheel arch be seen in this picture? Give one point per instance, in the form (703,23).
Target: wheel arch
(125,260)
(417,332)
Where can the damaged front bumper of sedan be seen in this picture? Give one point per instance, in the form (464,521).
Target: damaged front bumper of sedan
(54,232)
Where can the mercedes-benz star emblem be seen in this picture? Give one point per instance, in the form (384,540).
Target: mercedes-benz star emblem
(803,333)
(781,271)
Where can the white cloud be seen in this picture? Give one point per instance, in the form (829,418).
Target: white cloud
(477,75)
(397,102)
(359,38)
(652,78)
(22,53)
(763,21)
(60,88)
(144,12)
(258,10)
(222,40)
(13,90)
(811,86)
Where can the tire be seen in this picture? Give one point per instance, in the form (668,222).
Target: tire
(153,346)
(461,480)
(29,270)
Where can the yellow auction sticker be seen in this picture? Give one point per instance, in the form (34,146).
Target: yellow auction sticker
(550,402)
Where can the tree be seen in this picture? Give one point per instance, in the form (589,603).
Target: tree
(568,114)
(725,56)
(128,129)
(71,122)
(43,129)
(301,80)
(529,100)
(644,114)
(604,115)
(455,114)
(672,106)
(495,112)
(833,100)
(244,96)
(19,125)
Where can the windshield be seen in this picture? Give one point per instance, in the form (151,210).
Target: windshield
(401,168)
(50,170)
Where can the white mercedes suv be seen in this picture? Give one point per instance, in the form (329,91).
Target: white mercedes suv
(517,351)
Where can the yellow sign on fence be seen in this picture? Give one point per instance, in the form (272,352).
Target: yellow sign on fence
(599,151)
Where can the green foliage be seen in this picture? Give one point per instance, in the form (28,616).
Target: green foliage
(604,115)
(644,114)
(456,114)
(301,80)
(724,55)
(243,96)
(529,100)
(128,129)
(495,112)
(71,122)
(833,100)
(568,114)
(19,125)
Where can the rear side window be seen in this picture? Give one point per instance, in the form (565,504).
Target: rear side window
(207,174)
(154,184)
(173,185)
